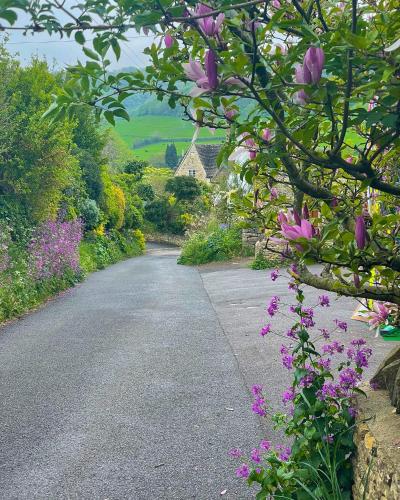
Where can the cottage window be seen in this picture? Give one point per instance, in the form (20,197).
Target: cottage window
(192,173)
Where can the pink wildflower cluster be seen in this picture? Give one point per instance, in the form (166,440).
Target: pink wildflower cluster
(54,248)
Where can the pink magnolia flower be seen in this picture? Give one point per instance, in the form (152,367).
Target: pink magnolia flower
(208,25)
(287,217)
(231,113)
(302,74)
(273,194)
(304,77)
(252,147)
(267,135)
(168,40)
(314,63)
(204,81)
(379,314)
(304,230)
(276,4)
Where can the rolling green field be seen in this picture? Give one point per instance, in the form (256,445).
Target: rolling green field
(166,129)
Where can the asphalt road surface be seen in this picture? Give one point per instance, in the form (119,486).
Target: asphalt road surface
(124,387)
(135,384)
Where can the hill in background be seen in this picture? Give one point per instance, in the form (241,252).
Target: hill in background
(154,125)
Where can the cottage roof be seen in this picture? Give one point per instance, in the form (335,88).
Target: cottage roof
(208,156)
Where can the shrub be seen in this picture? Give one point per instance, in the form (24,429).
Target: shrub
(98,251)
(261,262)
(145,191)
(90,214)
(183,187)
(133,217)
(112,201)
(139,236)
(218,245)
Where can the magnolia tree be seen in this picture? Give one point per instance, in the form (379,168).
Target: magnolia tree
(319,81)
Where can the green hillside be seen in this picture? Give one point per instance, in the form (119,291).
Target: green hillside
(149,135)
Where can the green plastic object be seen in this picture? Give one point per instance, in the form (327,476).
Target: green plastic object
(390,333)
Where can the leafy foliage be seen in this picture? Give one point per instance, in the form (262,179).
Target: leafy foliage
(212,245)
(183,187)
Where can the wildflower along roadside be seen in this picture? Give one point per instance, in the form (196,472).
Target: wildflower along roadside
(320,408)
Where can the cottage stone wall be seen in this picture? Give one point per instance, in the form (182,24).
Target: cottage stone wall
(250,237)
(192,162)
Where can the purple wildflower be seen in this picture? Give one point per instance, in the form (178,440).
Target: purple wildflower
(255,455)
(307,314)
(342,325)
(256,390)
(265,330)
(324,333)
(287,361)
(265,445)
(259,406)
(243,471)
(325,363)
(235,453)
(273,306)
(348,378)
(353,411)
(274,274)
(329,389)
(323,301)
(285,453)
(288,395)
(333,348)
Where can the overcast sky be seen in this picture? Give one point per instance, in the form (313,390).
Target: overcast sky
(66,51)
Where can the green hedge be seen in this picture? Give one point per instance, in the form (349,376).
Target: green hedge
(99,251)
(218,244)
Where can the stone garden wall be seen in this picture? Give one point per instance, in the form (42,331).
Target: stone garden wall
(377,435)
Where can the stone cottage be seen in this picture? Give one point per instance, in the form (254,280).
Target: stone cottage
(200,161)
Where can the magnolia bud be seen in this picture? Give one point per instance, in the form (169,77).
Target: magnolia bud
(314,62)
(168,40)
(267,135)
(211,69)
(360,232)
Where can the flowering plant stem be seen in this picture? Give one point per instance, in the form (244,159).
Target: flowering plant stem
(320,415)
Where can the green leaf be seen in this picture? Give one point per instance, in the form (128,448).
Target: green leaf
(116,48)
(109,116)
(9,15)
(121,113)
(90,53)
(80,37)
